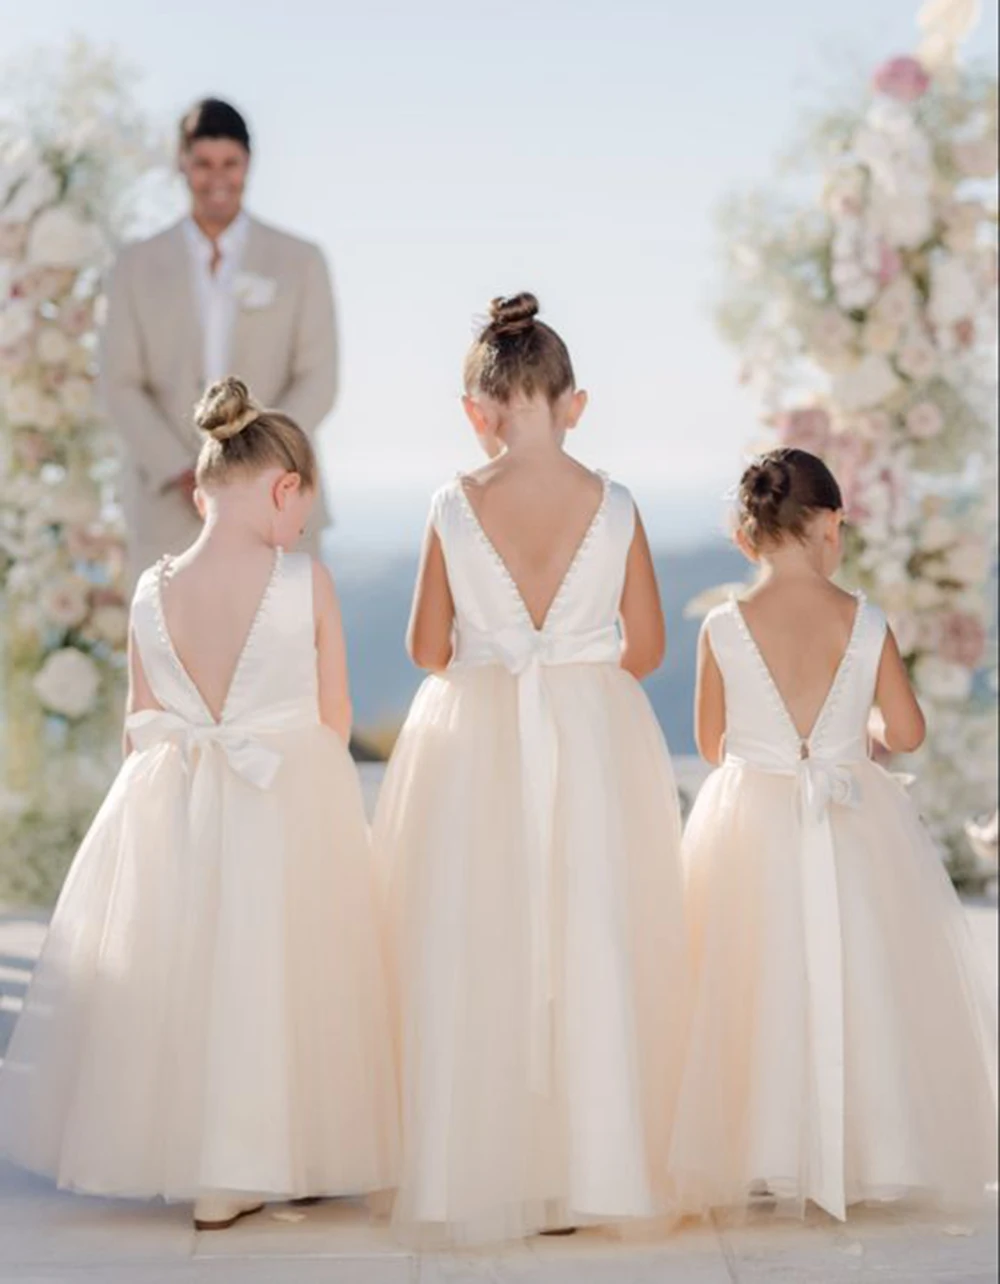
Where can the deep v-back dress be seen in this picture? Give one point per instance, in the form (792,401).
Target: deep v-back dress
(843,1042)
(209,1010)
(529,834)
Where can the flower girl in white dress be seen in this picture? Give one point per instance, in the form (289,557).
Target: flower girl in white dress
(843,1043)
(208,1019)
(529,831)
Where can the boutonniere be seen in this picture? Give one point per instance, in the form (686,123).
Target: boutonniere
(254,292)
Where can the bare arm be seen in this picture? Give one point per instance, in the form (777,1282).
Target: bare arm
(156,449)
(312,384)
(140,693)
(899,721)
(709,704)
(331,656)
(641,610)
(429,637)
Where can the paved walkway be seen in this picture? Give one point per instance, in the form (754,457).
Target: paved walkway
(47,1237)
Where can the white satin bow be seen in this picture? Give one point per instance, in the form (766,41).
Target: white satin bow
(253,761)
(525,652)
(821,783)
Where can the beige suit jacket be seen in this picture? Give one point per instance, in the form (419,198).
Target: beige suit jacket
(151,367)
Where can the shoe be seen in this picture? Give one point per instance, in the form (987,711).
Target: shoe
(306,1201)
(214,1213)
(563,1230)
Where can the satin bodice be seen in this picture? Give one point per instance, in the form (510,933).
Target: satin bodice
(759,728)
(491,619)
(274,688)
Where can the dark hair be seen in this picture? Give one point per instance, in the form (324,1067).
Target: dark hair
(213,118)
(514,353)
(244,437)
(781,491)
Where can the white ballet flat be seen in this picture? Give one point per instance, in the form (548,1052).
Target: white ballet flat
(214,1213)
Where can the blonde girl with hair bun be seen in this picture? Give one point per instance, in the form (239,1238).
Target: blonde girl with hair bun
(208,1019)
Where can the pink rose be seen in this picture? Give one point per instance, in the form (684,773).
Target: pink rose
(965,333)
(904,79)
(890,264)
(807,429)
(963,639)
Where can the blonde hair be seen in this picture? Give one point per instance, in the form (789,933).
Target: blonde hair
(514,353)
(244,437)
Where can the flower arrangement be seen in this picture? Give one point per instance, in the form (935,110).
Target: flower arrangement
(866,317)
(66,165)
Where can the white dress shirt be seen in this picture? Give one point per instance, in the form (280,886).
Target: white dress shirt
(216,291)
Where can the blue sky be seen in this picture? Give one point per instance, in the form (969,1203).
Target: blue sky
(444,152)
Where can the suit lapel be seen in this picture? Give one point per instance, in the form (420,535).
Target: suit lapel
(258,260)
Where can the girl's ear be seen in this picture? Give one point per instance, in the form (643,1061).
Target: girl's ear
(476,415)
(286,487)
(744,545)
(577,406)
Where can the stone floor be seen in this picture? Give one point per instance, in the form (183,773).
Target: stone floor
(47,1237)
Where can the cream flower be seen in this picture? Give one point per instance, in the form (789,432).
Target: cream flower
(68,683)
(924,420)
(60,238)
(110,623)
(52,346)
(77,396)
(23,405)
(942,679)
(937,534)
(870,382)
(880,336)
(17,320)
(918,358)
(66,601)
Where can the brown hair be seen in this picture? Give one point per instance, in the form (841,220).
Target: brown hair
(514,353)
(780,492)
(244,437)
(213,118)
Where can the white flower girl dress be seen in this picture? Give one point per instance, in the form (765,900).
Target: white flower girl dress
(209,1014)
(530,835)
(843,1046)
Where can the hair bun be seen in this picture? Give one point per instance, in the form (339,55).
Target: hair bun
(514,314)
(767,484)
(226,408)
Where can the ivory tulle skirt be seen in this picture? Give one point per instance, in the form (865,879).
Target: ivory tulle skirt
(209,1011)
(490,1151)
(917,1030)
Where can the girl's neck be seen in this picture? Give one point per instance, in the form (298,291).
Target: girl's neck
(785,565)
(234,524)
(530,431)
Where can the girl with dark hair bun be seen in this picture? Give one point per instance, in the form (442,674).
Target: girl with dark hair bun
(839,998)
(529,831)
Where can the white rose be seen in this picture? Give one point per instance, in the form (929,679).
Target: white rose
(924,420)
(927,595)
(898,302)
(941,679)
(110,623)
(907,631)
(937,534)
(890,573)
(48,415)
(60,238)
(22,405)
(968,562)
(34,188)
(17,320)
(953,294)
(52,347)
(906,218)
(871,381)
(68,683)
(70,506)
(977,157)
(66,601)
(77,396)
(254,292)
(880,336)
(918,358)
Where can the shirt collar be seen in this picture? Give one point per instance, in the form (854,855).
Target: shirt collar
(231,241)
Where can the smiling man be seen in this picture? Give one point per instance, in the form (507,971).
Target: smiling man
(218,293)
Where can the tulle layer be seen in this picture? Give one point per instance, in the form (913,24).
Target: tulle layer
(918,1021)
(209,1011)
(489,1155)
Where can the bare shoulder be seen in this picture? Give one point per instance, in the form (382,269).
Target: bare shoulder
(324,589)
